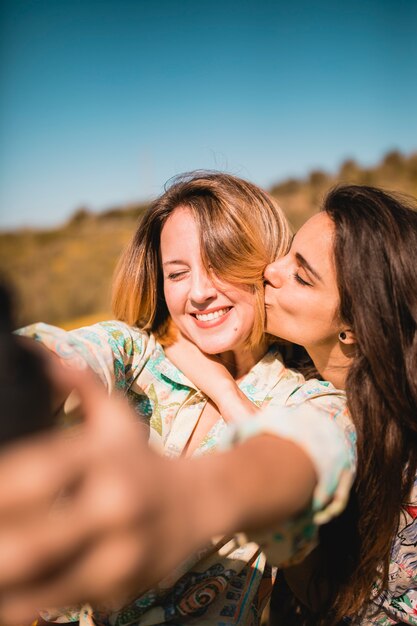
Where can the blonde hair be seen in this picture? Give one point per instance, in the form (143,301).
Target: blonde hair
(242,229)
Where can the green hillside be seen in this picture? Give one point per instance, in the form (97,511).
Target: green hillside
(64,274)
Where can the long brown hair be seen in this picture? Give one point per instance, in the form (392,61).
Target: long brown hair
(242,229)
(375,250)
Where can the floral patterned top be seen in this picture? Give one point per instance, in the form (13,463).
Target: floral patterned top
(396,604)
(228,581)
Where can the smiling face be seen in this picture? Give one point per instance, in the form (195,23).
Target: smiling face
(215,315)
(301,295)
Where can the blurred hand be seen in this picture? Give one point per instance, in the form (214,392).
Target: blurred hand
(93,515)
(89,515)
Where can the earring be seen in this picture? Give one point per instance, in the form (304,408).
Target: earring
(342,335)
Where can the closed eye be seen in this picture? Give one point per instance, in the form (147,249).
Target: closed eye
(176,275)
(301,280)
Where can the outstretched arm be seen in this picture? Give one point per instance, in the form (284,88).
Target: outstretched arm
(128,516)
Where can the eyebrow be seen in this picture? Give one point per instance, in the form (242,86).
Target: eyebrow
(302,261)
(174,262)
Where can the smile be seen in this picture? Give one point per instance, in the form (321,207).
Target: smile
(211,318)
(207,317)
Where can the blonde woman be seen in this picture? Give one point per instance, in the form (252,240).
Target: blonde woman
(194,272)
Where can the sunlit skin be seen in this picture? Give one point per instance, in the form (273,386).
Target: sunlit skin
(217,316)
(302,299)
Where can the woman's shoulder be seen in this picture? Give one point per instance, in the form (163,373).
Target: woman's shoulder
(321,390)
(109,348)
(117,331)
(316,397)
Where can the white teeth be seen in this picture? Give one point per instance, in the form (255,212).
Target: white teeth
(206,317)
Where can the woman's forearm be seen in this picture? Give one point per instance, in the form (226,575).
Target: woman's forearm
(262,482)
(232,403)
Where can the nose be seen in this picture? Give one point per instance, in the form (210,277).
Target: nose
(202,288)
(273,273)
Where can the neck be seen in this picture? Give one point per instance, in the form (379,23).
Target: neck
(332,364)
(240,361)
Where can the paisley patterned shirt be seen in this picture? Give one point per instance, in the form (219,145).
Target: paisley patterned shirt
(398,603)
(228,581)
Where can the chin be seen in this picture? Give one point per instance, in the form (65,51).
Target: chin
(216,347)
(210,348)
(274,328)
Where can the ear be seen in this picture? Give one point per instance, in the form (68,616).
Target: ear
(347,336)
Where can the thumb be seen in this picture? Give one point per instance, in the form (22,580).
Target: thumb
(106,416)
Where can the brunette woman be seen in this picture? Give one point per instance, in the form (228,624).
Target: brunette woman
(347,292)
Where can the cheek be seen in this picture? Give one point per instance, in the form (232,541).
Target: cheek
(290,303)
(319,322)
(243,296)
(289,311)
(323,308)
(173,298)
(303,302)
(247,314)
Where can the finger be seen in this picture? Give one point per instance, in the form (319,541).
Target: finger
(36,469)
(107,500)
(109,419)
(39,467)
(12,617)
(94,396)
(29,551)
(104,574)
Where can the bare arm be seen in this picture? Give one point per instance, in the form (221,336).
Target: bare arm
(122,526)
(262,482)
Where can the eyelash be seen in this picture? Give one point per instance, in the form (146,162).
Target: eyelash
(175,275)
(300,280)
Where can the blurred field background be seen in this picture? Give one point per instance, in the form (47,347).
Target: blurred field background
(103,101)
(63,275)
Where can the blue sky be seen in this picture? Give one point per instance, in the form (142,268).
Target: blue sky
(102,101)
